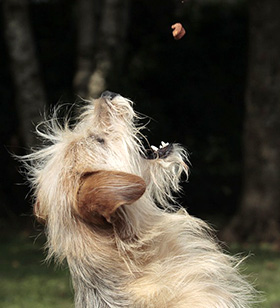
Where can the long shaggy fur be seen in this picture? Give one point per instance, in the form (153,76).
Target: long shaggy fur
(137,252)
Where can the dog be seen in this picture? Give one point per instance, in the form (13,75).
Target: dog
(108,209)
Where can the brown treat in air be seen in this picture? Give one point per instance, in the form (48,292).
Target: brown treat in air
(178,31)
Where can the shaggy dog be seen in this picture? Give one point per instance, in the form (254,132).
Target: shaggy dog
(106,204)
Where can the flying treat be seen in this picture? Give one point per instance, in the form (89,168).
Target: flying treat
(178,31)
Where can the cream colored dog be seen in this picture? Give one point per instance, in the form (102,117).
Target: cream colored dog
(107,208)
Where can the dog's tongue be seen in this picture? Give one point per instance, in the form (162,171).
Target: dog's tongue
(163,151)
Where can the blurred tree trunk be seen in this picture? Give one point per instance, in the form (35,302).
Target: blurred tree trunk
(30,96)
(102,27)
(111,46)
(88,17)
(259,216)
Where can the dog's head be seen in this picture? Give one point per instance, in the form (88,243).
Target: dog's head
(100,165)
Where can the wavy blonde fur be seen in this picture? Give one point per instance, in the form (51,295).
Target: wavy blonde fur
(147,254)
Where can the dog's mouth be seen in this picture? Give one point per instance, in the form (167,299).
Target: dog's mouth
(163,151)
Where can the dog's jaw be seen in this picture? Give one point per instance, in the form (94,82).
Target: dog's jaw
(164,150)
(114,105)
(145,256)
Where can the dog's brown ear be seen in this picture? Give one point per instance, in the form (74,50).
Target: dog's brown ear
(102,192)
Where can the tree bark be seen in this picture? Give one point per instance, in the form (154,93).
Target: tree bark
(88,18)
(30,96)
(111,45)
(259,216)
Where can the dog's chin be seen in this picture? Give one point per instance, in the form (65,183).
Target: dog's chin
(163,151)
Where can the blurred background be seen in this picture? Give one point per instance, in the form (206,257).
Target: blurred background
(216,91)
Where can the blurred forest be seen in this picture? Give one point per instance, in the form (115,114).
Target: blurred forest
(216,91)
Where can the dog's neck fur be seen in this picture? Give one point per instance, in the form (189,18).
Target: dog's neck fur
(99,197)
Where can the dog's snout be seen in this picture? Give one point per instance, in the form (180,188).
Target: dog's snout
(109,95)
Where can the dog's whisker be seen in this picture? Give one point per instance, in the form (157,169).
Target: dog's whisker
(109,210)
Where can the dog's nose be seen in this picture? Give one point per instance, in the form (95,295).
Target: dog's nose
(109,94)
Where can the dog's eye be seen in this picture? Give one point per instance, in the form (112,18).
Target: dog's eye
(95,138)
(100,140)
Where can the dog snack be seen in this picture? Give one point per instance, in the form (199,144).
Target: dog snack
(178,31)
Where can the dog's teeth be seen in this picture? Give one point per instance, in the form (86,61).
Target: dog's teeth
(163,144)
(154,148)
